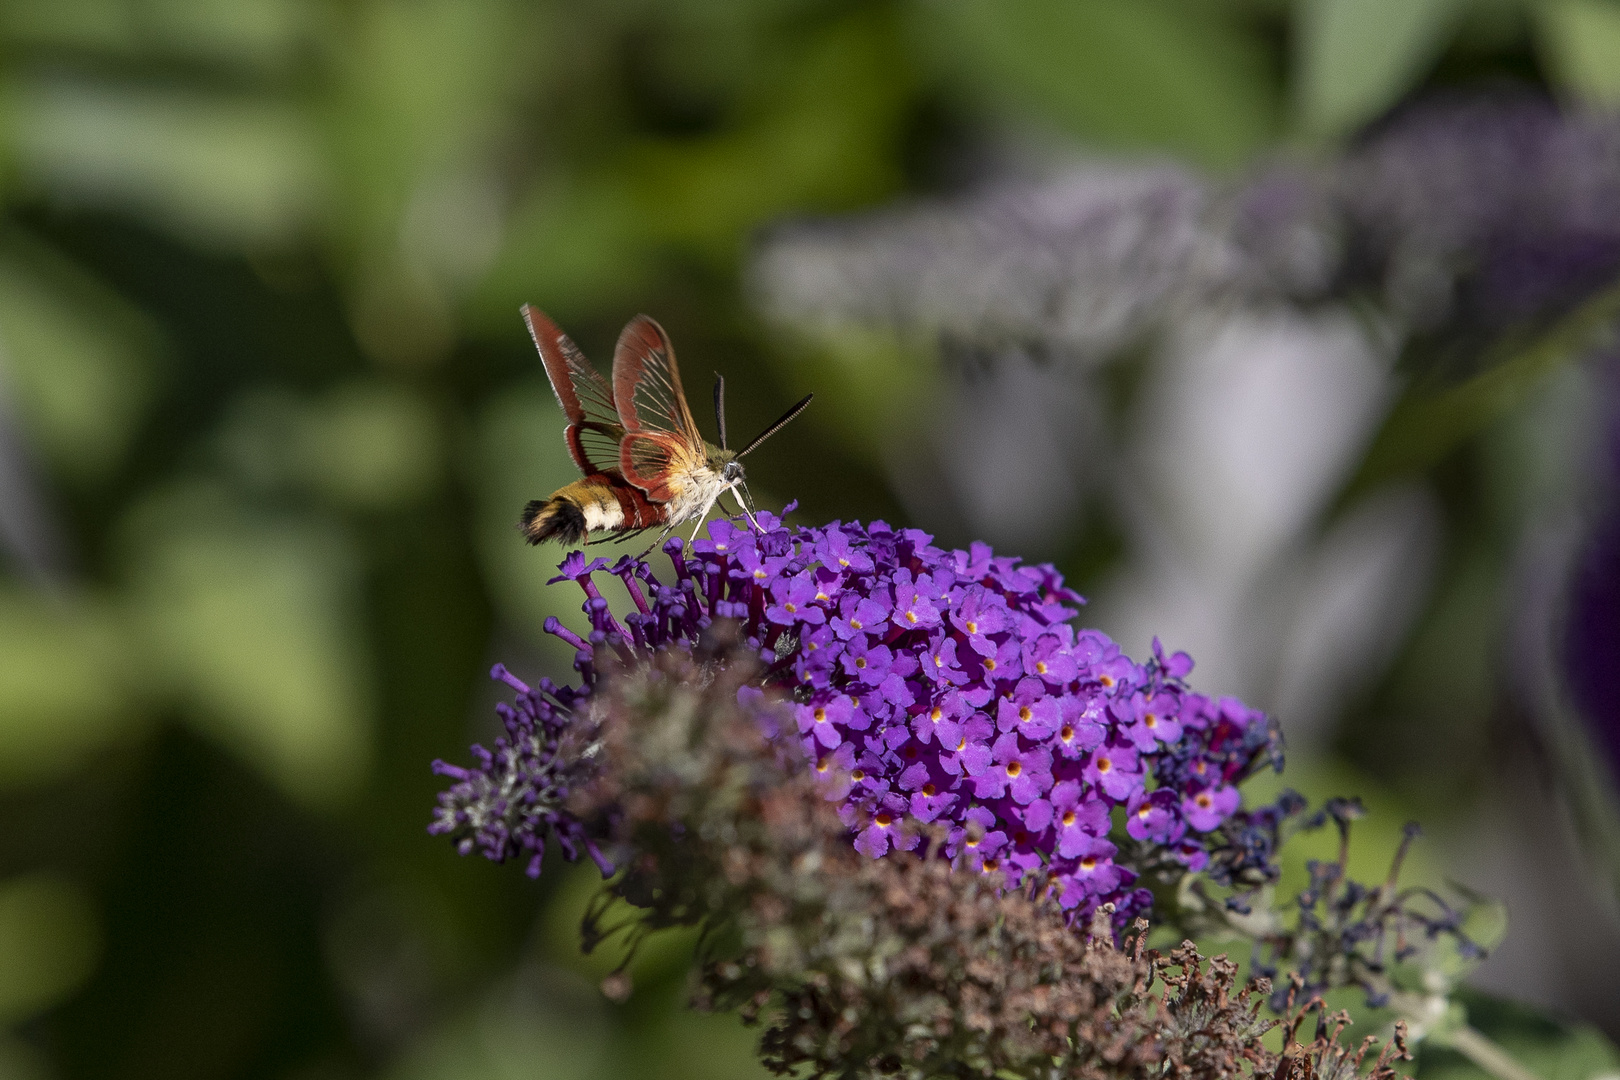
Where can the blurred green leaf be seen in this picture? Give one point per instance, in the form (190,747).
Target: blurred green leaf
(371,444)
(1581,42)
(556,1030)
(222,171)
(49,939)
(263,34)
(75,358)
(1183,77)
(823,139)
(572,244)
(420,86)
(876,389)
(367,444)
(107,25)
(1549,1048)
(1429,423)
(68,686)
(1354,58)
(821,133)
(253,622)
(19,1061)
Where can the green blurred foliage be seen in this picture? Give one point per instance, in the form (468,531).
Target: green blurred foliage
(1189,78)
(48,942)
(1355,58)
(259,272)
(70,685)
(1582,41)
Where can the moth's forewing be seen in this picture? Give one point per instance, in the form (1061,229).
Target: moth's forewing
(647,383)
(594,429)
(662,448)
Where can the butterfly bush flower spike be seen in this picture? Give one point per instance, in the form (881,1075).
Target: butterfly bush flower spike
(928,687)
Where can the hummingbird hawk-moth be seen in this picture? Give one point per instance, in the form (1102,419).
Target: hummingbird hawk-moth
(644,462)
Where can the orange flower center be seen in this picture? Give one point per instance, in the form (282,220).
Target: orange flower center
(1014,768)
(1068,817)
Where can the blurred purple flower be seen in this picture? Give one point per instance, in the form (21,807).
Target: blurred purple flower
(1591,646)
(1463,213)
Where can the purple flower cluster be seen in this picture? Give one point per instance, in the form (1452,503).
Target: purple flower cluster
(504,807)
(930,686)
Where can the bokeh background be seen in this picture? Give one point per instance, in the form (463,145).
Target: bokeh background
(1283,328)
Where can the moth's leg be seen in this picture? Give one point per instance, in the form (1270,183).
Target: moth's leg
(744,501)
(657,541)
(704,513)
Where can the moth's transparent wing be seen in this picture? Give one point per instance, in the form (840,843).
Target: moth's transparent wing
(594,429)
(662,446)
(647,384)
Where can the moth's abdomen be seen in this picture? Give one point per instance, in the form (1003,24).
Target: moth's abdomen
(556,518)
(599,503)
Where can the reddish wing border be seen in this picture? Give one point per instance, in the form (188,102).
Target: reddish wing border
(647,383)
(594,429)
(661,438)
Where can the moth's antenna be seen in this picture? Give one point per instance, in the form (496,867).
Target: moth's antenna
(778,426)
(720,406)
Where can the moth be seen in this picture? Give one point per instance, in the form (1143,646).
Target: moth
(645,464)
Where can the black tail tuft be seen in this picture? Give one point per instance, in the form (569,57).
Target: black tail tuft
(555,518)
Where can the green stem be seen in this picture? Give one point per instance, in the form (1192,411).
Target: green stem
(1431,422)
(1474,1046)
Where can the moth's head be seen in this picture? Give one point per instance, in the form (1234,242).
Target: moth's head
(725,463)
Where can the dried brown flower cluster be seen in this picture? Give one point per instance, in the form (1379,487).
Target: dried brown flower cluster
(897,966)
